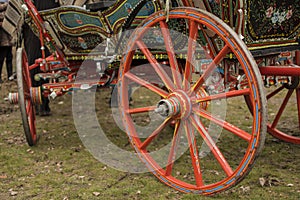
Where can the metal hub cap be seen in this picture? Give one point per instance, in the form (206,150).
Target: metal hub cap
(177,105)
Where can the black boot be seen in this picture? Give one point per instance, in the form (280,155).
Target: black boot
(44,108)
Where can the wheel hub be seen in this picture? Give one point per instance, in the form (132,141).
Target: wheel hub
(293,83)
(177,105)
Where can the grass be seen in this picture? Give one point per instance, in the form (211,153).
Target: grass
(60,167)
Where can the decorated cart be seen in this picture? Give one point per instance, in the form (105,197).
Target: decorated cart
(203,65)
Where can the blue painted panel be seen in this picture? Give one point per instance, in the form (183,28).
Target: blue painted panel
(72,19)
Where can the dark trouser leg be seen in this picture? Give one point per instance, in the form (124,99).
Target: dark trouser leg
(9,58)
(33,50)
(2,57)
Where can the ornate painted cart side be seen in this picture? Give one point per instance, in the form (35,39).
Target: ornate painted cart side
(270,30)
(194,63)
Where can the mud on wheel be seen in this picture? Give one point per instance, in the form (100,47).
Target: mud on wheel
(216,139)
(24,97)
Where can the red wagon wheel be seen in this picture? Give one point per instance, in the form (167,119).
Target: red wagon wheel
(288,109)
(25,102)
(216,139)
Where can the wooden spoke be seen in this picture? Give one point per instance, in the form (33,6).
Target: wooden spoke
(210,69)
(282,107)
(193,34)
(171,54)
(212,145)
(272,94)
(155,133)
(227,126)
(224,95)
(174,146)
(146,84)
(157,67)
(141,110)
(194,153)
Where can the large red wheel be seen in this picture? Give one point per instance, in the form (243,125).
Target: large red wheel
(284,112)
(25,102)
(216,139)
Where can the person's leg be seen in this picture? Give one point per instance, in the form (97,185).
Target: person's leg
(2,57)
(9,59)
(33,51)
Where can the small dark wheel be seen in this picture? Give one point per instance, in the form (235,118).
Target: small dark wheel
(293,84)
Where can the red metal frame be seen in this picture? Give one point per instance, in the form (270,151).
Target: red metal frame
(34,14)
(293,69)
(55,62)
(297,57)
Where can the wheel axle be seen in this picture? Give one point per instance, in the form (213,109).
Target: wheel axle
(168,107)
(13,98)
(178,105)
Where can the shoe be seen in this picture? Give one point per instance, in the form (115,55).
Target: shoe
(12,77)
(44,110)
(48,110)
(37,110)
(45,113)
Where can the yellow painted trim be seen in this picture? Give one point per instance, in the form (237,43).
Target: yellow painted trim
(270,46)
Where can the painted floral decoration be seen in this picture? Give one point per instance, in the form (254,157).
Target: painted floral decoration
(273,18)
(278,17)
